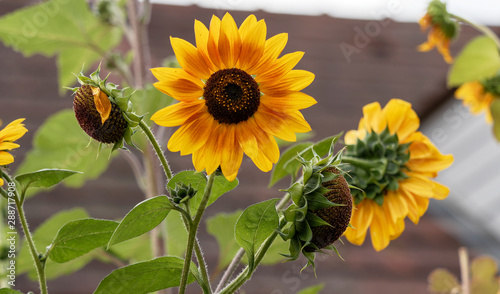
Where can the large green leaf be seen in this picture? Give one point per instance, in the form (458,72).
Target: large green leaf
(79,237)
(144,277)
(255,225)
(478,60)
(176,234)
(44,178)
(495,113)
(43,236)
(64,28)
(60,143)
(198,181)
(144,217)
(9,291)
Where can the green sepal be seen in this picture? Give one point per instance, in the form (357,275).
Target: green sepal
(296,192)
(316,221)
(313,183)
(317,200)
(304,231)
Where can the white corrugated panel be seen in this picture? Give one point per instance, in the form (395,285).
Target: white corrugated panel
(473,206)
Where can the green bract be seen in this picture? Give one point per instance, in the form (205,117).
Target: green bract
(440,16)
(321,208)
(376,163)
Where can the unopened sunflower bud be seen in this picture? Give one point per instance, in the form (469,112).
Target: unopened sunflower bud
(337,217)
(182,193)
(91,121)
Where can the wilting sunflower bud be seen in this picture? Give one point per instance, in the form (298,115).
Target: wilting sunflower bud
(337,217)
(182,193)
(106,130)
(321,208)
(103,112)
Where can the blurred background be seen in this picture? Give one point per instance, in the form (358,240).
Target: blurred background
(360,52)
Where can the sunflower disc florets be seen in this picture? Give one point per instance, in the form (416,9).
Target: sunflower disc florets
(103,111)
(321,208)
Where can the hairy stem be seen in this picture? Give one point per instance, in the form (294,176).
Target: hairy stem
(193,229)
(157,148)
(481,28)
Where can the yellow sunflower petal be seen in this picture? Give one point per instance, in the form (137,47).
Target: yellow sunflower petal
(177,114)
(401,118)
(273,48)
(272,123)
(213,42)
(232,155)
(267,143)
(181,90)
(362,216)
(13,131)
(262,162)
(379,232)
(201,35)
(174,74)
(440,191)
(229,42)
(6,158)
(296,122)
(290,101)
(190,59)
(373,120)
(253,40)
(395,206)
(1,182)
(294,80)
(247,139)
(8,145)
(279,69)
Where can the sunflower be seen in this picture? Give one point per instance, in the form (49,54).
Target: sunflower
(8,135)
(477,98)
(443,29)
(235,95)
(393,164)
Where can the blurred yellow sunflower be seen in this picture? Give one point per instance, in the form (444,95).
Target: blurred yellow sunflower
(393,164)
(442,29)
(475,96)
(8,135)
(235,95)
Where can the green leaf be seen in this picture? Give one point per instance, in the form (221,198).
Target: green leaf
(198,181)
(134,250)
(79,237)
(177,234)
(221,226)
(144,277)
(9,291)
(442,281)
(312,290)
(60,143)
(484,268)
(255,225)
(44,178)
(495,113)
(43,236)
(144,217)
(64,28)
(287,164)
(479,59)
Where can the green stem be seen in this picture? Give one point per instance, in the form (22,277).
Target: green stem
(192,233)
(483,29)
(246,274)
(157,148)
(40,266)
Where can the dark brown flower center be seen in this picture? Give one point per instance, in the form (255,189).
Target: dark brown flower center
(231,96)
(89,118)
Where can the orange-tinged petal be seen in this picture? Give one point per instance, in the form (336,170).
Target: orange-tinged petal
(190,59)
(201,35)
(177,114)
(247,139)
(272,123)
(181,89)
(6,158)
(291,101)
(296,122)
(279,68)
(266,142)
(229,42)
(262,162)
(252,43)
(102,103)
(213,42)
(232,155)
(294,80)
(273,48)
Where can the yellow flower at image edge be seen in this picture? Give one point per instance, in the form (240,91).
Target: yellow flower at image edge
(235,95)
(411,161)
(8,136)
(477,98)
